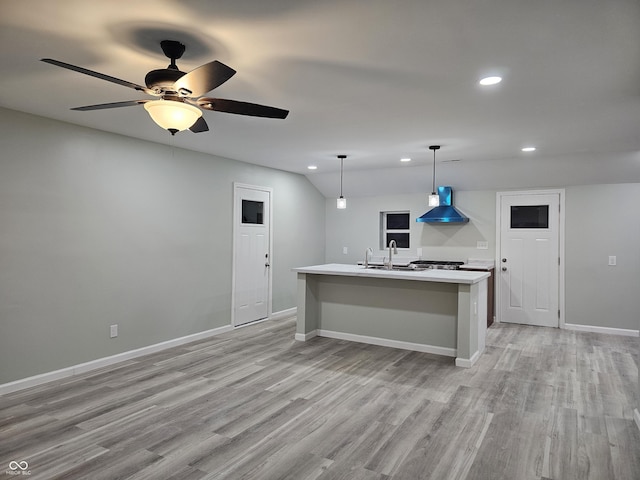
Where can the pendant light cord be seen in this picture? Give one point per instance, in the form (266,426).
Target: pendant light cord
(341,157)
(341,172)
(433,189)
(434,148)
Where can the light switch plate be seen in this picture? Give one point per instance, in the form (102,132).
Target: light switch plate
(113,331)
(612,261)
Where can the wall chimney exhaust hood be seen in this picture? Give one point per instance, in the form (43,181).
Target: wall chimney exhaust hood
(446,212)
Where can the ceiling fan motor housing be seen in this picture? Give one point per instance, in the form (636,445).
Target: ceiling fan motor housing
(162,79)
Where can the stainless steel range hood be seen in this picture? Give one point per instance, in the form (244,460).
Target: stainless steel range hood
(446,212)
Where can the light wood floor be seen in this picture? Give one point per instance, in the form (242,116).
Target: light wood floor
(255,404)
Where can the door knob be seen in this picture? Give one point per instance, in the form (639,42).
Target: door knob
(504,260)
(504,269)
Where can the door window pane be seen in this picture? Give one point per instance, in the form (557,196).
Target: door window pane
(252,212)
(530,216)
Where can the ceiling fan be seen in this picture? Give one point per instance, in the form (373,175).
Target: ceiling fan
(181,93)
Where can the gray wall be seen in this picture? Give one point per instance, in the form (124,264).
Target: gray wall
(98,229)
(600,220)
(358,226)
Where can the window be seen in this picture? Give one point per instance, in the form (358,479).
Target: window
(394,226)
(530,216)
(252,212)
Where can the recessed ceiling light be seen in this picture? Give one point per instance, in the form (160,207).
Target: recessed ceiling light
(312,167)
(405,159)
(490,81)
(528,149)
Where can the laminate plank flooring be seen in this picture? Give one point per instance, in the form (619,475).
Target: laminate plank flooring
(255,404)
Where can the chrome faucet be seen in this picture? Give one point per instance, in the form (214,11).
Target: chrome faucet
(367,252)
(392,245)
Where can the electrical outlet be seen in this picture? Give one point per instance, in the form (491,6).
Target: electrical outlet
(419,252)
(113,331)
(345,250)
(482,245)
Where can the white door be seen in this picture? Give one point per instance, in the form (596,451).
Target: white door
(529,263)
(252,254)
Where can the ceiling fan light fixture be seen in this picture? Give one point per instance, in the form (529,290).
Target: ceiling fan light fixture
(171,115)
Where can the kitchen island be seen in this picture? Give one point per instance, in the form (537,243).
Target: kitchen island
(433,311)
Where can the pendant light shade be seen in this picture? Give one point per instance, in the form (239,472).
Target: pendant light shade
(434,198)
(172,115)
(341,202)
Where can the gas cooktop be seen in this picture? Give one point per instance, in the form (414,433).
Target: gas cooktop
(438,264)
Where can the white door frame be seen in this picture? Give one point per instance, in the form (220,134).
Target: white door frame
(268,190)
(561,194)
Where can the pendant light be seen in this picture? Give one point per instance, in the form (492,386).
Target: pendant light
(341,202)
(434,198)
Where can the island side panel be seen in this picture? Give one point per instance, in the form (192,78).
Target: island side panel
(307,314)
(413,312)
(472,306)
(483,309)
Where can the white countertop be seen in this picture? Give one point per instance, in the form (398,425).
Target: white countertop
(479,264)
(444,276)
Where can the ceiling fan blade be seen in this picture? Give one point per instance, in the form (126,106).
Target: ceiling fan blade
(101,76)
(241,108)
(199,126)
(103,106)
(203,79)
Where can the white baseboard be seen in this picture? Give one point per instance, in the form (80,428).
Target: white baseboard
(282,314)
(464,363)
(607,330)
(106,361)
(636,416)
(303,337)
(384,342)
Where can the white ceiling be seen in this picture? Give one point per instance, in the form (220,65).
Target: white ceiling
(375,80)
